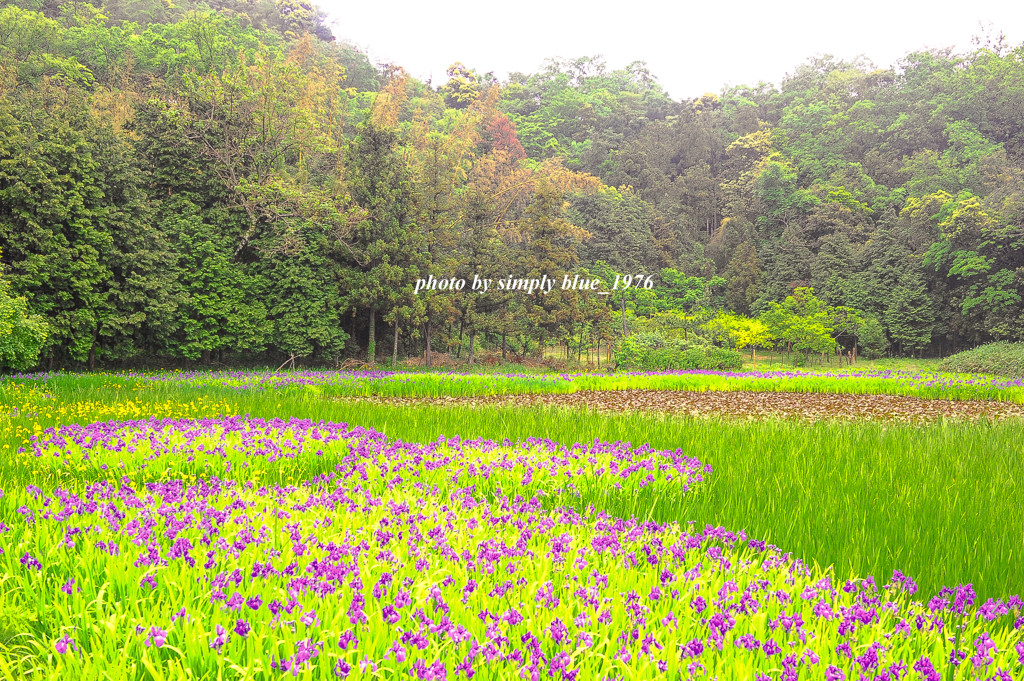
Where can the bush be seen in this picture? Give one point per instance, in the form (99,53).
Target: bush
(22,334)
(1003,359)
(873,343)
(652,352)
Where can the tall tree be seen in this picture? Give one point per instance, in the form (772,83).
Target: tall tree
(385,244)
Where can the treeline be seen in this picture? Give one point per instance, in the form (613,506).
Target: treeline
(224,182)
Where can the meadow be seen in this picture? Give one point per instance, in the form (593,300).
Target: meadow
(434,384)
(259,525)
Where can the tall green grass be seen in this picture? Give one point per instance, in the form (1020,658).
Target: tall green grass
(435,385)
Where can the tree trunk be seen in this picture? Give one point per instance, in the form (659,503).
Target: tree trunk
(427,361)
(206,356)
(598,352)
(394,348)
(352,327)
(623,314)
(504,347)
(371,350)
(92,357)
(472,342)
(462,326)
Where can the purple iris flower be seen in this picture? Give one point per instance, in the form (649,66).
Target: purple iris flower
(63,643)
(157,637)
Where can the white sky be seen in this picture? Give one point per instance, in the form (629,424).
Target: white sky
(691,48)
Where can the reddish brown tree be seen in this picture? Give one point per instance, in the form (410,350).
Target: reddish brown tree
(501,135)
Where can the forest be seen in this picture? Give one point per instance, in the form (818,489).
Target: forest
(223,182)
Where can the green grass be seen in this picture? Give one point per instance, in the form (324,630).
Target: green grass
(424,384)
(1003,359)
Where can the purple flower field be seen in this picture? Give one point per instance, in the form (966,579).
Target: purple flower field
(243,548)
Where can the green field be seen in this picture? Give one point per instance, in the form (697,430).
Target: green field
(938,502)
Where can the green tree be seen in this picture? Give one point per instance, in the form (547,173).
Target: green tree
(219,307)
(909,316)
(742,279)
(620,222)
(386,243)
(983,262)
(22,334)
(737,331)
(802,323)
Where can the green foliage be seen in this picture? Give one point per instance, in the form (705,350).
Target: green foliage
(619,223)
(736,331)
(651,352)
(742,279)
(1000,358)
(581,111)
(22,335)
(909,316)
(983,263)
(800,323)
(679,292)
(215,312)
(214,180)
(463,87)
(872,341)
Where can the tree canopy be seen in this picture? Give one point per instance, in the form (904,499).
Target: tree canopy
(225,182)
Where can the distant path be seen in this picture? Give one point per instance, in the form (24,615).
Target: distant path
(745,404)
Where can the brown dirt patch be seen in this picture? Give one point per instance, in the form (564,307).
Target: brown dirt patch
(748,405)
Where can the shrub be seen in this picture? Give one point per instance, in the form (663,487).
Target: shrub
(652,352)
(22,334)
(873,343)
(1003,359)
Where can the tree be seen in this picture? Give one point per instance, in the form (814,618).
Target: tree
(304,304)
(681,292)
(552,251)
(619,221)
(216,306)
(22,334)
(983,262)
(463,87)
(736,331)
(500,135)
(385,243)
(742,279)
(909,316)
(872,340)
(801,322)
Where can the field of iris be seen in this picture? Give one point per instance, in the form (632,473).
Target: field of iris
(236,526)
(434,384)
